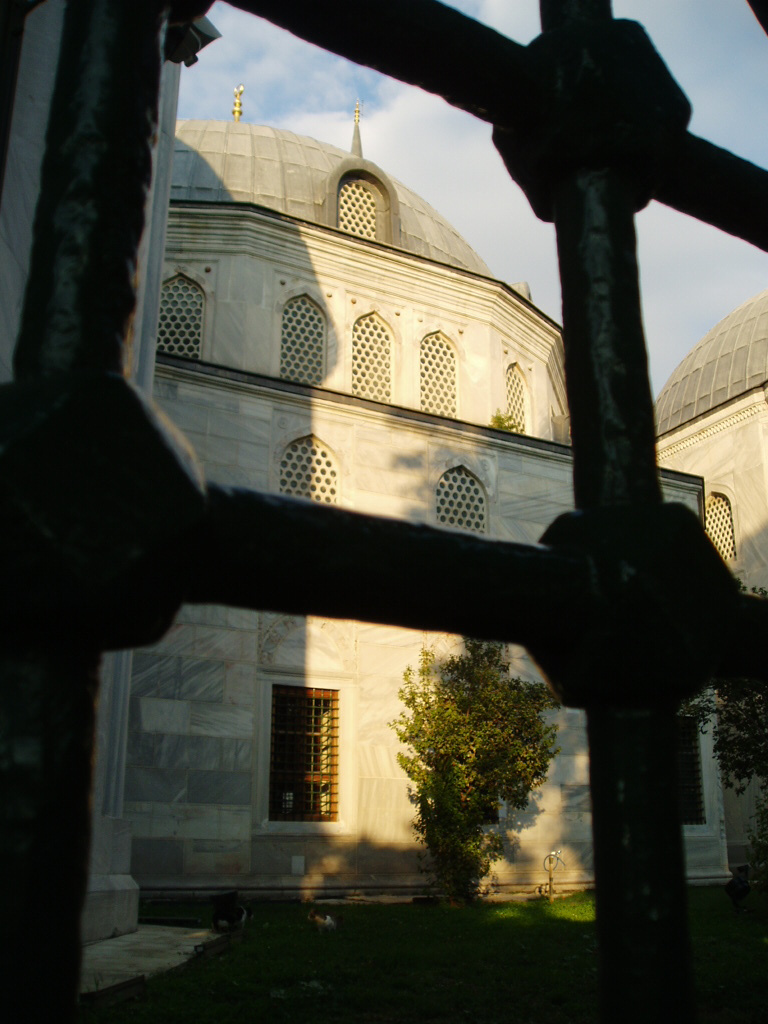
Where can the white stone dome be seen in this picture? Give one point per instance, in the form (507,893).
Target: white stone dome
(228,161)
(728,361)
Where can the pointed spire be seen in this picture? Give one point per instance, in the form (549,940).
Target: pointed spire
(357,146)
(237,110)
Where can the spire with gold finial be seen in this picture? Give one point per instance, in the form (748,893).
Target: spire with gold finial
(237,110)
(357,146)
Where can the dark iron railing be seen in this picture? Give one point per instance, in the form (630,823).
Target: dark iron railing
(109,527)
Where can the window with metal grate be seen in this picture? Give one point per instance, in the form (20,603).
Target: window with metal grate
(516,395)
(437,372)
(460,501)
(304,759)
(180,325)
(357,208)
(302,341)
(719,525)
(372,358)
(690,787)
(308,470)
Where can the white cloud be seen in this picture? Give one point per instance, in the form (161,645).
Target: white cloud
(692,275)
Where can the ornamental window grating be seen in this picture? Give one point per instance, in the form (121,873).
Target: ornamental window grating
(516,397)
(180,325)
(357,209)
(690,787)
(304,755)
(437,371)
(371,358)
(308,470)
(460,501)
(302,341)
(719,526)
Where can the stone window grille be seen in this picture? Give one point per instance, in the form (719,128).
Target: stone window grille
(304,755)
(719,526)
(302,341)
(371,359)
(691,790)
(460,501)
(437,371)
(357,208)
(180,326)
(516,398)
(308,470)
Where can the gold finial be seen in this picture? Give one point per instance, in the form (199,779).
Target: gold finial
(237,110)
(357,112)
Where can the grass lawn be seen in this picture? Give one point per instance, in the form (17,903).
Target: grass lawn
(526,962)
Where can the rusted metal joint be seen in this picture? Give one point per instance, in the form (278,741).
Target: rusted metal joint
(665,607)
(97,493)
(605,100)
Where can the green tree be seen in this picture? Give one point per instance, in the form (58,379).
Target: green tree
(475,736)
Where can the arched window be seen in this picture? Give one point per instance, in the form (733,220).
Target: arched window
(180,326)
(308,470)
(302,341)
(516,394)
(358,207)
(437,372)
(460,501)
(719,526)
(372,358)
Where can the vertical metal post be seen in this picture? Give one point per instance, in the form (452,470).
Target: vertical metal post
(79,299)
(639,863)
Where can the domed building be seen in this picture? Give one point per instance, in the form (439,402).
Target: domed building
(320,332)
(324,333)
(712,419)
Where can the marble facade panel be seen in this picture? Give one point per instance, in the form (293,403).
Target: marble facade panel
(203,614)
(235,823)
(217,857)
(157,858)
(157,715)
(219,787)
(150,672)
(225,644)
(236,755)
(239,684)
(187,821)
(155,784)
(385,814)
(227,476)
(215,720)
(201,752)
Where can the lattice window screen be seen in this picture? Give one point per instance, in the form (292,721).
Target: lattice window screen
(719,526)
(437,369)
(180,326)
(691,790)
(302,341)
(371,358)
(357,209)
(308,470)
(460,501)
(516,398)
(304,760)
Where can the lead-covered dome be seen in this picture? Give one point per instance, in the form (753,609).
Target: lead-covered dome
(228,161)
(728,361)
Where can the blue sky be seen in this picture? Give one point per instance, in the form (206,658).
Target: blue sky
(692,275)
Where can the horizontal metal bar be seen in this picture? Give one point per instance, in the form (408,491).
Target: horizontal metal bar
(420,42)
(280,554)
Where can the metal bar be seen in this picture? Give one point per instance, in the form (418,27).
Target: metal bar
(78,303)
(421,42)
(639,865)
(493,78)
(81,289)
(395,572)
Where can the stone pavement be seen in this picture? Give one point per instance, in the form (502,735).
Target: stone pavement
(149,950)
